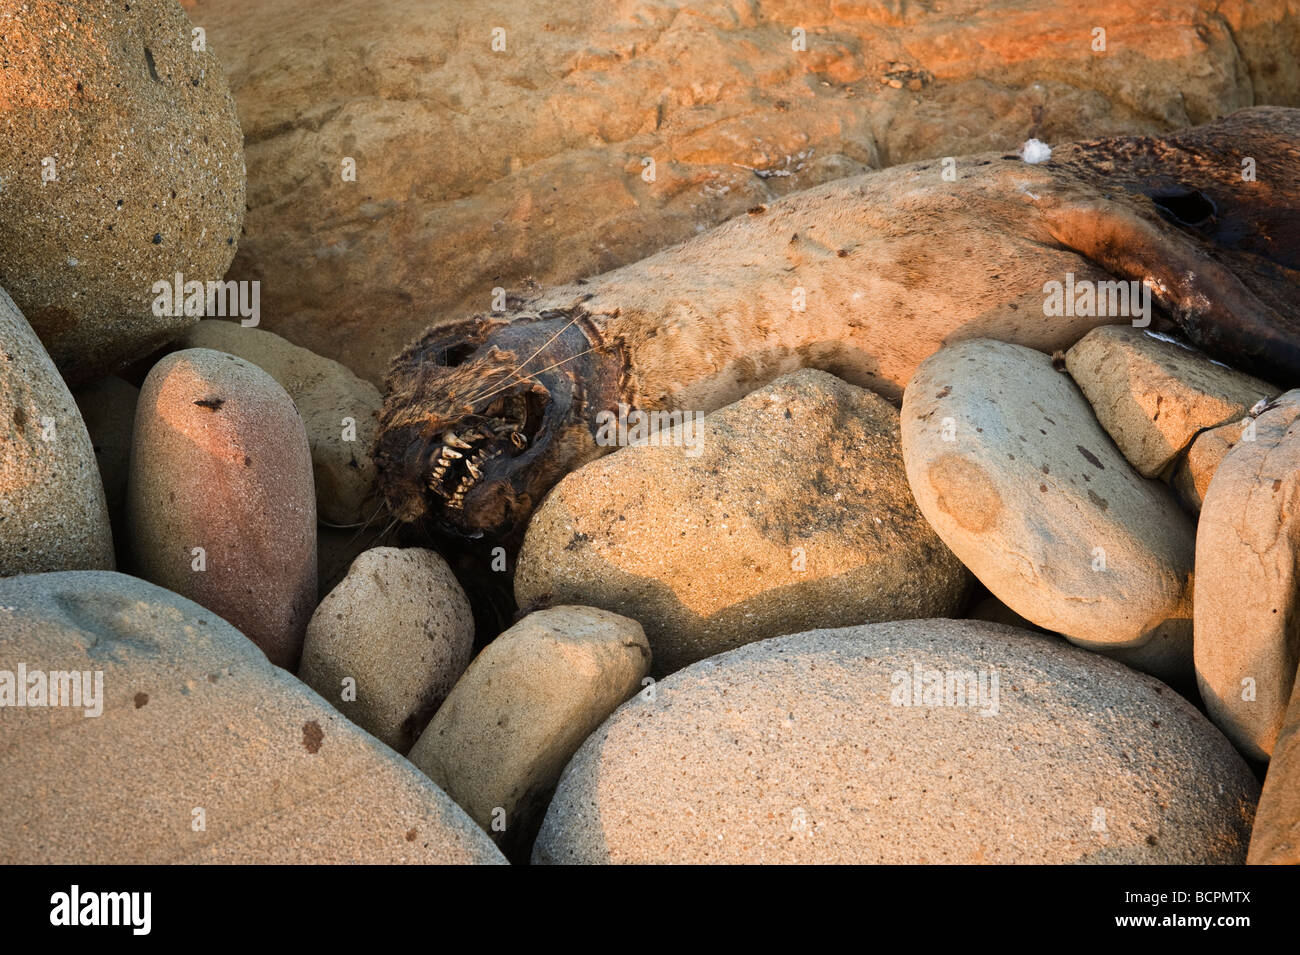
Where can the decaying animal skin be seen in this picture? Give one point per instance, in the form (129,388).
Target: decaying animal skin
(863,278)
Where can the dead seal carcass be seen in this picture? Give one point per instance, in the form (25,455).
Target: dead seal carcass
(863,278)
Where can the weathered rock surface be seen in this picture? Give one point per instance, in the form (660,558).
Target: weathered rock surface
(1192,475)
(499,743)
(400,629)
(1012,470)
(202,752)
(338,409)
(1247,605)
(107,407)
(1154,396)
(814,748)
(123,165)
(786,510)
(536,152)
(1275,839)
(52,510)
(220,496)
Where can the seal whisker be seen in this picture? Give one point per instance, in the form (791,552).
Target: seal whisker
(545,345)
(533,375)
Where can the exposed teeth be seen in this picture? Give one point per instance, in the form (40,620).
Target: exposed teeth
(473,465)
(519,440)
(455,441)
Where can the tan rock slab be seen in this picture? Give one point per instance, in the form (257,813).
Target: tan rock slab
(1153,396)
(500,741)
(220,498)
(854,746)
(1247,605)
(389,642)
(202,752)
(786,510)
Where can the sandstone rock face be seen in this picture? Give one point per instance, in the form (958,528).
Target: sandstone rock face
(539,144)
(107,407)
(400,628)
(822,747)
(339,410)
(1011,469)
(1154,396)
(500,741)
(1247,604)
(52,510)
(202,751)
(786,510)
(1192,476)
(1275,839)
(220,496)
(123,165)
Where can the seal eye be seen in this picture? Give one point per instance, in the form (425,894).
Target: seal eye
(1188,207)
(455,355)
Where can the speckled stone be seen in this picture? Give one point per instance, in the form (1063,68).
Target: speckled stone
(339,410)
(1154,396)
(807,749)
(52,509)
(123,165)
(795,513)
(1010,467)
(220,462)
(1247,603)
(1275,840)
(400,628)
(203,751)
(500,742)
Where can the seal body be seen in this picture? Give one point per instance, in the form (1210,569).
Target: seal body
(863,278)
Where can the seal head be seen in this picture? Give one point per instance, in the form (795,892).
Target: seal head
(484,416)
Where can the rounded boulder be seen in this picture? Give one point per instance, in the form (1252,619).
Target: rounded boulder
(919,741)
(123,165)
(220,496)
